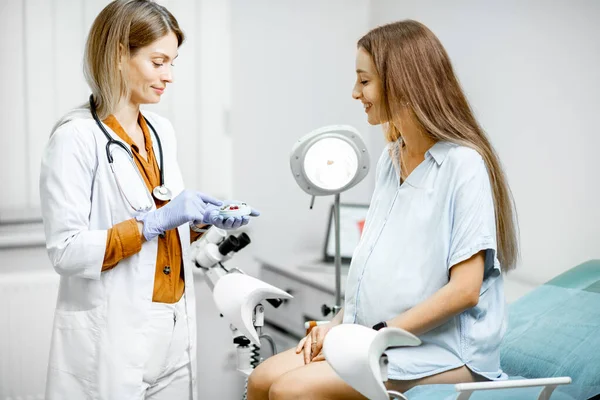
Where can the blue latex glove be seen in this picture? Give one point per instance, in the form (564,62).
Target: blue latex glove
(187,206)
(212,217)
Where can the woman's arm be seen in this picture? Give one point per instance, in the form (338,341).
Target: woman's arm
(122,240)
(472,236)
(312,344)
(460,294)
(339,318)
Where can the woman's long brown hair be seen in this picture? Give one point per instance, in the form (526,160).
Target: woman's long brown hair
(415,69)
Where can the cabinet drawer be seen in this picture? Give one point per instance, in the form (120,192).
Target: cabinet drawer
(282,340)
(306,304)
(315,299)
(288,314)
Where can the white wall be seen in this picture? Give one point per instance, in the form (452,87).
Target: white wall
(44,79)
(530,70)
(293,71)
(37,86)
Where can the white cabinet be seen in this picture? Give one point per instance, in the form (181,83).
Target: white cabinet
(311,283)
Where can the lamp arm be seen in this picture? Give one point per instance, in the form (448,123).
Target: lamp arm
(338,258)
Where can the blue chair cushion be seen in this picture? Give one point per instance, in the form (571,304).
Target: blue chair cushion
(555,331)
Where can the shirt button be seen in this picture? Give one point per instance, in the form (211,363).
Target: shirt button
(166,270)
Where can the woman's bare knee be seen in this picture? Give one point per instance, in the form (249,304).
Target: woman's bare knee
(314,381)
(286,387)
(258,385)
(261,379)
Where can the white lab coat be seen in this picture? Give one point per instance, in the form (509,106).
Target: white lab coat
(99,341)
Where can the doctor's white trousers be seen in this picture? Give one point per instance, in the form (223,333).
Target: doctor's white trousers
(167,371)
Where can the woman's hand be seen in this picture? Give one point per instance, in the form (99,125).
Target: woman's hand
(212,217)
(187,206)
(312,344)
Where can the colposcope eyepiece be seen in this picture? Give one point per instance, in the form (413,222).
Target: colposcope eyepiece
(230,244)
(234,244)
(244,241)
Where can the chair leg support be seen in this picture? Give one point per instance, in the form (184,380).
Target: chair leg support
(396,395)
(464,395)
(546,392)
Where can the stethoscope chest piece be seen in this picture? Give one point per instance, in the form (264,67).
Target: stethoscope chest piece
(162,193)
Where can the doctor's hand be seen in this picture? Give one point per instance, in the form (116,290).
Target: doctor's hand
(212,217)
(187,206)
(312,344)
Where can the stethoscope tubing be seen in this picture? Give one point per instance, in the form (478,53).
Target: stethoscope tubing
(112,141)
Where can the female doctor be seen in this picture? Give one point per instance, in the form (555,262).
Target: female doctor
(118,222)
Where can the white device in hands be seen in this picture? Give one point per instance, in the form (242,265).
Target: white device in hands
(235,210)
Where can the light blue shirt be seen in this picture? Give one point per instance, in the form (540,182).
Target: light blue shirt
(442,214)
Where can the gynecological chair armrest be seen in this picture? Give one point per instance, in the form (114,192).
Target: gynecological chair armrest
(356,354)
(236,296)
(549,384)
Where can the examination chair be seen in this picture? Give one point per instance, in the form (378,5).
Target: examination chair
(551,349)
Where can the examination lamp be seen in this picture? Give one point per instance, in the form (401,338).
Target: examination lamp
(329,161)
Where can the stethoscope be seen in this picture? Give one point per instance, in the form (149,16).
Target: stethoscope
(160,192)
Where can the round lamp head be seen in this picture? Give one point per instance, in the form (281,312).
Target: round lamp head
(329,160)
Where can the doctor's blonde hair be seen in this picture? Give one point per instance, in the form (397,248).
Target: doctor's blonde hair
(122,28)
(416,72)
